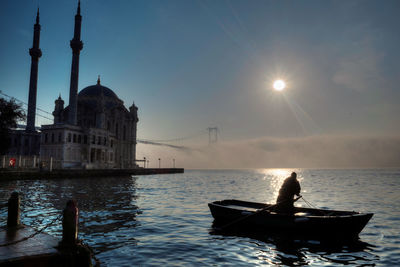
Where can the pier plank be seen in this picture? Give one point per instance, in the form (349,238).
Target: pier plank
(40,245)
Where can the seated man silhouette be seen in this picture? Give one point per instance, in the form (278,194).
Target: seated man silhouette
(289,188)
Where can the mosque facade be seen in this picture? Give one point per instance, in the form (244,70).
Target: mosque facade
(103,137)
(94,131)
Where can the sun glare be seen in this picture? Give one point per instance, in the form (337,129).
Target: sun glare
(279,85)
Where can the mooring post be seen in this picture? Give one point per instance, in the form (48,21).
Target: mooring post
(51,164)
(14,201)
(70,224)
(4,162)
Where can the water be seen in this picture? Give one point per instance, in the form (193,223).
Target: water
(164,220)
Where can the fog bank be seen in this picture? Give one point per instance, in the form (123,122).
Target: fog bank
(307,152)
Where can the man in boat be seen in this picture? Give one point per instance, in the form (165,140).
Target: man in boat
(289,188)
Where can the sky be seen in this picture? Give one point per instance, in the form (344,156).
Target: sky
(193,64)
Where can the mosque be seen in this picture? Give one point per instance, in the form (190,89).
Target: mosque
(94,131)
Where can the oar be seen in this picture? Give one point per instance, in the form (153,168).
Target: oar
(252,214)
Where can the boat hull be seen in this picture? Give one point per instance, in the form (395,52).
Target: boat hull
(229,214)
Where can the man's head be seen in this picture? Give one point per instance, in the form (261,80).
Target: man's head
(293,175)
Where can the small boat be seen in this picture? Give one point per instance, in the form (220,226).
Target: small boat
(320,223)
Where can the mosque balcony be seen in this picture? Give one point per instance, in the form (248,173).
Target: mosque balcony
(61,126)
(35,52)
(76,45)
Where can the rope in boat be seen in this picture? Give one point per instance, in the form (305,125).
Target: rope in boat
(315,207)
(309,203)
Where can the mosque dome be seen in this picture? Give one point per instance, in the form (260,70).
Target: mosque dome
(96,90)
(99,96)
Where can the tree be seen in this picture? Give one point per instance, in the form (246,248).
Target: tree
(10,114)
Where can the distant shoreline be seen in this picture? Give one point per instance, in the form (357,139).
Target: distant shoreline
(7,174)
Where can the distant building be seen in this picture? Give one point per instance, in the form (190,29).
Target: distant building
(95,130)
(24,143)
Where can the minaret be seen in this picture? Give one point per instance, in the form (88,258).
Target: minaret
(35,53)
(59,107)
(101,115)
(76,45)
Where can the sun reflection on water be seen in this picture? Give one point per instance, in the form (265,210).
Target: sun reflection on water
(275,177)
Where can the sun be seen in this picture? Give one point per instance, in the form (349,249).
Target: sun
(279,85)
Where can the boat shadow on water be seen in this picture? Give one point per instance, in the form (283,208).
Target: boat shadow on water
(296,249)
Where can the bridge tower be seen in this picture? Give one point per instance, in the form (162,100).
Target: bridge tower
(212,135)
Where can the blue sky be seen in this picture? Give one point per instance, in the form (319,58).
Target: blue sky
(189,65)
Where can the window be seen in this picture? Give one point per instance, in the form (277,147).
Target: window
(92,155)
(52,137)
(93,139)
(45,138)
(124,133)
(59,137)
(116,129)
(99,140)
(105,141)
(85,139)
(68,153)
(69,137)
(79,139)
(111,143)
(98,155)
(74,139)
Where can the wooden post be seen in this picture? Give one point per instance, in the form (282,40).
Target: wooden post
(70,224)
(51,164)
(34,161)
(19,162)
(4,162)
(13,219)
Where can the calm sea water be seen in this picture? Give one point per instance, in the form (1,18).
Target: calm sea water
(164,220)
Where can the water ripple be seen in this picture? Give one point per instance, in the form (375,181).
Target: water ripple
(163,220)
